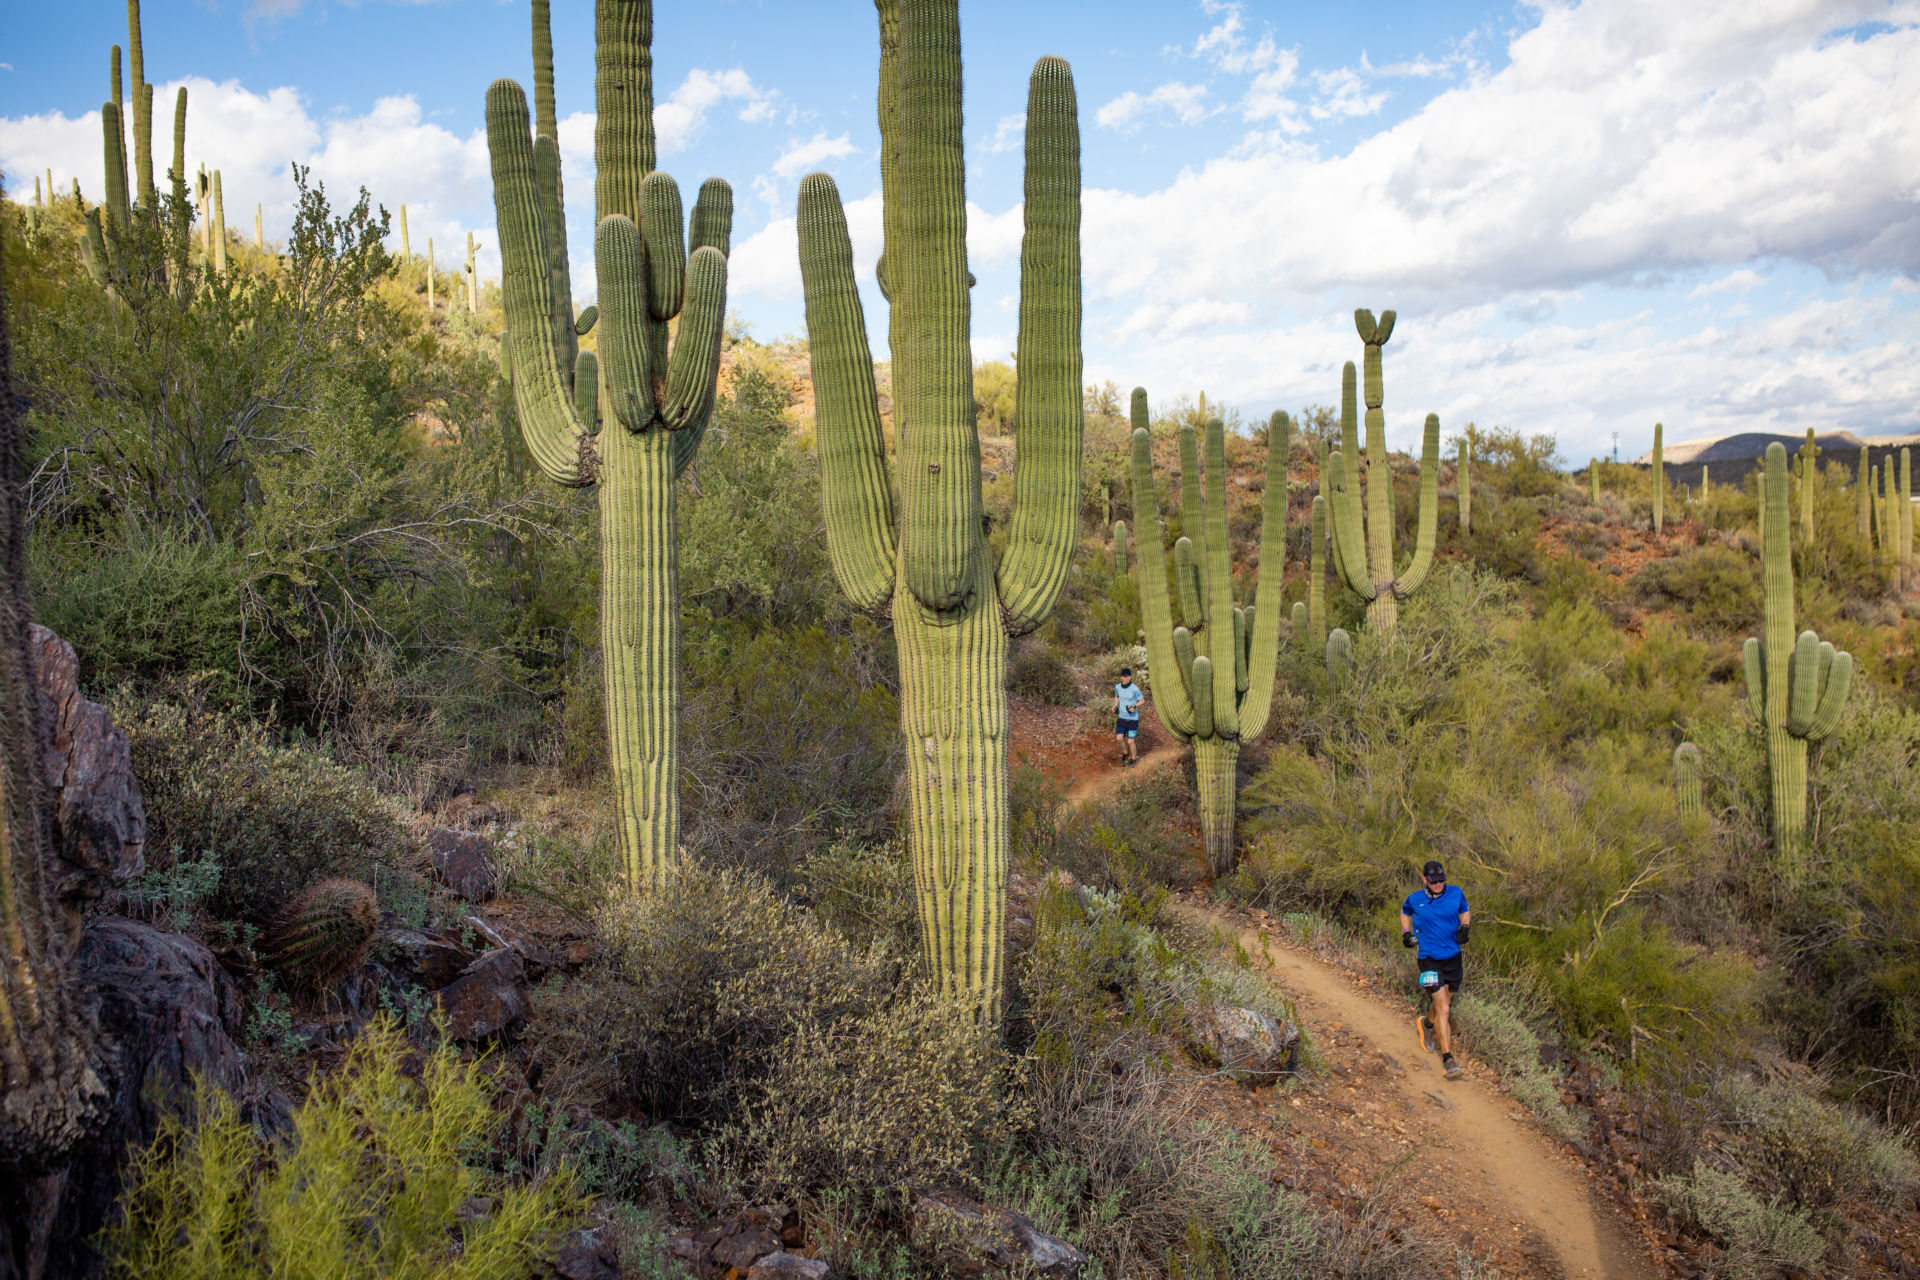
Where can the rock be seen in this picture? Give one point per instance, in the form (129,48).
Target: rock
(1245,1043)
(745,1247)
(489,999)
(99,820)
(788,1266)
(464,863)
(426,960)
(498,933)
(999,1238)
(587,1255)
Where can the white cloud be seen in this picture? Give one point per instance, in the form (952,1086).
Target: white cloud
(804,157)
(1011,132)
(1733,282)
(1184,102)
(679,120)
(1343,94)
(1266,98)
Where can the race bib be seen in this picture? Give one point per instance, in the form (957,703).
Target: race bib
(1430,978)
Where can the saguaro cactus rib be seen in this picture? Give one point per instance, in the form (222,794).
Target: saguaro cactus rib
(952,609)
(660,392)
(1212,680)
(1364,543)
(1796,687)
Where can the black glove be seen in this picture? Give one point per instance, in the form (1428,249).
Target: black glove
(1406,938)
(1462,935)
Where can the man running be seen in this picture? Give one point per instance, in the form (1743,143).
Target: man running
(1435,917)
(1126,717)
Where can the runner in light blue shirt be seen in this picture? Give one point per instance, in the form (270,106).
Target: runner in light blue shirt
(1127,698)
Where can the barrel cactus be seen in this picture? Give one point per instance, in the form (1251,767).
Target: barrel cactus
(1686,778)
(1213,677)
(656,391)
(1363,539)
(953,607)
(323,934)
(1796,688)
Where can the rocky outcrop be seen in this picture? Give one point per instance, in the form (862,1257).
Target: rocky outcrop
(975,1239)
(463,862)
(1248,1045)
(100,823)
(490,998)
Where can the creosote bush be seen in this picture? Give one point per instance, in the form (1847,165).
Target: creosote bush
(378,1179)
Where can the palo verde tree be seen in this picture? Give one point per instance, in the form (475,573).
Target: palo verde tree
(656,395)
(1363,540)
(1212,678)
(953,607)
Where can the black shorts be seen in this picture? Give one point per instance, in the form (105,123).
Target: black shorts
(1452,971)
(1125,728)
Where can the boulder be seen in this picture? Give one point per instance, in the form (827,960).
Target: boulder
(425,960)
(464,863)
(99,820)
(498,933)
(978,1238)
(587,1255)
(788,1266)
(745,1246)
(489,999)
(1248,1045)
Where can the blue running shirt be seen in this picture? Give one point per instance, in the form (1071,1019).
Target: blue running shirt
(1130,699)
(1436,921)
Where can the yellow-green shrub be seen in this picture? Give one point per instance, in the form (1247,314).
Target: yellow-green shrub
(379,1180)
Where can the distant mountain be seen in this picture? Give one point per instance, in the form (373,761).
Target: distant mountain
(1752,445)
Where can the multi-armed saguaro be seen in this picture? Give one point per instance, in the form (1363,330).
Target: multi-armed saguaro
(1213,677)
(110,227)
(1797,688)
(952,605)
(657,395)
(1363,543)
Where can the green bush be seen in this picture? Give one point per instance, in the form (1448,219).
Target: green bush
(1037,669)
(1491,1017)
(1758,1236)
(379,1179)
(1809,1153)
(1715,587)
(274,818)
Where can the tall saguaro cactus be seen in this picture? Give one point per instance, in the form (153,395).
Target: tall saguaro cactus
(1363,543)
(1796,688)
(1317,572)
(1863,502)
(1809,476)
(953,607)
(655,396)
(1659,477)
(1904,523)
(1463,486)
(1212,678)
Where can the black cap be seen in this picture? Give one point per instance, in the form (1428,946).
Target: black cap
(1126,671)
(1433,871)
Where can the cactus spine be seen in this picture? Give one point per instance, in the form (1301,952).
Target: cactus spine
(1212,678)
(50,1093)
(1463,487)
(1339,659)
(657,395)
(1659,479)
(1796,688)
(952,606)
(323,934)
(1363,541)
(1686,779)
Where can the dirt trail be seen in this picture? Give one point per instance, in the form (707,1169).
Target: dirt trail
(1487,1152)
(1494,1155)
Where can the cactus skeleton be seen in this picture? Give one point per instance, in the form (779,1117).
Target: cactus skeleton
(657,396)
(1686,778)
(1363,539)
(953,608)
(1795,688)
(1212,678)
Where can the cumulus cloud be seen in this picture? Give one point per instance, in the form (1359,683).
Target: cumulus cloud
(1186,103)
(804,157)
(680,119)
(1343,93)
(1009,133)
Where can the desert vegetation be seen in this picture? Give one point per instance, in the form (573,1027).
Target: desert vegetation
(502,789)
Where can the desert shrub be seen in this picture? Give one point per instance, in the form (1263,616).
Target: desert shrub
(1494,1017)
(1713,586)
(1758,1236)
(1129,842)
(1506,540)
(863,890)
(378,1178)
(274,817)
(1037,669)
(1807,1152)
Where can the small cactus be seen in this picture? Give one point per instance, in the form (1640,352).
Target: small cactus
(1119,546)
(323,934)
(1302,626)
(1339,659)
(1686,778)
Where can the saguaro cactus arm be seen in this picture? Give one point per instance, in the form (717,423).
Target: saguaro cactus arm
(1263,639)
(855,490)
(1050,411)
(1170,694)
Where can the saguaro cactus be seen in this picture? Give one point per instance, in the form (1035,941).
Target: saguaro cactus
(656,396)
(406,245)
(1317,571)
(1463,487)
(1863,500)
(1905,521)
(1212,678)
(1659,478)
(1796,688)
(1119,546)
(953,607)
(1809,476)
(50,1093)
(1339,659)
(1686,778)
(1593,478)
(1363,543)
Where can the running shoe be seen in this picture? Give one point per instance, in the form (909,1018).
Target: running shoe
(1424,1029)
(1454,1069)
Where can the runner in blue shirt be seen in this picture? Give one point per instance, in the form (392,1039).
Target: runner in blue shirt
(1126,717)
(1435,918)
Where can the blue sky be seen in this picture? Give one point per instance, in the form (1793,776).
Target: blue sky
(1589,216)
